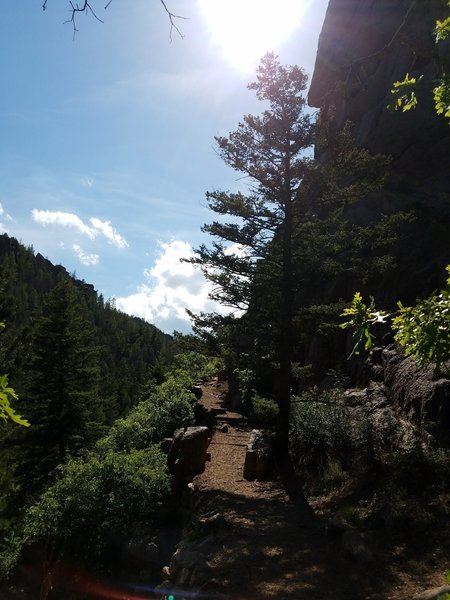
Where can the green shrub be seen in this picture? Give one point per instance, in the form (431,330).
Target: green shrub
(191,367)
(98,498)
(321,431)
(264,411)
(169,407)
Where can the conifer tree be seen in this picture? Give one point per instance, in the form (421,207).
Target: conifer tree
(62,402)
(269,151)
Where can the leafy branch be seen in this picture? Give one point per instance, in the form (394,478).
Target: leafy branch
(6,411)
(7,394)
(405,91)
(423,330)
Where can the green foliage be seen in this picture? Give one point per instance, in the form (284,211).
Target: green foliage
(321,432)
(193,366)
(170,406)
(442,29)
(423,330)
(63,398)
(442,96)
(361,317)
(264,411)
(404,92)
(106,496)
(7,394)
(114,488)
(413,481)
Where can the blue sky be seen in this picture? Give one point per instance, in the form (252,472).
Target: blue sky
(107,141)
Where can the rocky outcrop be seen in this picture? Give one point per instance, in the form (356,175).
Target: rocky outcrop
(414,393)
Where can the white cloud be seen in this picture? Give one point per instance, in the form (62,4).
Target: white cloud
(109,232)
(85,259)
(65,219)
(173,287)
(5,217)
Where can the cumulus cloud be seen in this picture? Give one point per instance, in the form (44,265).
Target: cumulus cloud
(109,232)
(171,286)
(65,219)
(84,258)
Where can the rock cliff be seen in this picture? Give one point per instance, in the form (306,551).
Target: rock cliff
(364,46)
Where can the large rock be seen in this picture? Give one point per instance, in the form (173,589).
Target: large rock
(188,453)
(258,458)
(415,394)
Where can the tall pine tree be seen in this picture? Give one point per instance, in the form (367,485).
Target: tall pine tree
(63,401)
(270,151)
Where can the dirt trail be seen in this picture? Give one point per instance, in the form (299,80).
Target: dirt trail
(273,548)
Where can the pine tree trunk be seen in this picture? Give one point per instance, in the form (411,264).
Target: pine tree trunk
(286,339)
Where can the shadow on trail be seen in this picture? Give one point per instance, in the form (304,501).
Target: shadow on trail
(270,548)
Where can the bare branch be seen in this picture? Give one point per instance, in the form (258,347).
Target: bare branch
(172,18)
(86,8)
(80,9)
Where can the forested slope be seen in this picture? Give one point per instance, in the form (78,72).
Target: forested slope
(128,347)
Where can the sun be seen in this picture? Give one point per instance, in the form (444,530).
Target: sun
(245,30)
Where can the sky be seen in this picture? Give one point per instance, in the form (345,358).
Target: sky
(107,137)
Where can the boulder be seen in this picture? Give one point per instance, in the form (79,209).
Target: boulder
(258,458)
(188,453)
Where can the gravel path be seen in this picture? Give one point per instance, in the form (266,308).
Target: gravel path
(272,548)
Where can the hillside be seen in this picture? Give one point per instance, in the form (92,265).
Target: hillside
(129,347)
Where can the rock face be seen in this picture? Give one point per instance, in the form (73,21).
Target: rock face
(365,46)
(414,393)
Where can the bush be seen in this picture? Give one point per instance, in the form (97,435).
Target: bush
(102,496)
(191,367)
(114,488)
(169,407)
(321,432)
(264,411)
